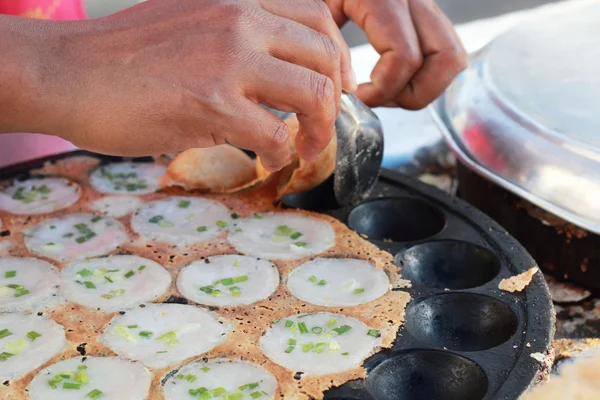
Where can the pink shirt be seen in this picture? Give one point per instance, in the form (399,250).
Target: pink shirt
(18,147)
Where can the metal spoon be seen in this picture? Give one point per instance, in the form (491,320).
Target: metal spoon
(359,151)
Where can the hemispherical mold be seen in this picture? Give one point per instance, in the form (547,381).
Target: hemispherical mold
(426,375)
(400,219)
(448,264)
(461,321)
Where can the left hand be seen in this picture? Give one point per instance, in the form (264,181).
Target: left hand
(420,51)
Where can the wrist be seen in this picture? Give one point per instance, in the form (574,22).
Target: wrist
(30,71)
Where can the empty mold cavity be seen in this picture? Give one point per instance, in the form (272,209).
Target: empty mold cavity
(461,321)
(448,264)
(427,375)
(319,198)
(398,219)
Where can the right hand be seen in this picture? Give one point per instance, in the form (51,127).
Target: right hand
(164,76)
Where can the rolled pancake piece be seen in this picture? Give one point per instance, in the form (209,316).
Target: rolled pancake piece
(83,378)
(333,282)
(282,235)
(114,283)
(116,206)
(159,335)
(320,343)
(227,281)
(217,169)
(127,178)
(26,342)
(75,237)
(26,283)
(304,175)
(234,379)
(39,196)
(181,220)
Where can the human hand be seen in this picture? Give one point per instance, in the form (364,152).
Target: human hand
(165,76)
(420,51)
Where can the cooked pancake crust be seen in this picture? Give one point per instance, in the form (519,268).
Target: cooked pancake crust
(83,325)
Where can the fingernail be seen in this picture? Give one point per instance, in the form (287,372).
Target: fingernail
(353,81)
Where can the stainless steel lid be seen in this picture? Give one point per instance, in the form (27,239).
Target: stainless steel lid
(526,114)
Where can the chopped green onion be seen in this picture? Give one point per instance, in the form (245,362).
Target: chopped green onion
(256,395)
(33,335)
(183,204)
(258,216)
(129,274)
(201,229)
(4,333)
(207,289)
(89,285)
(331,322)
(218,391)
(292,342)
(161,352)
(94,394)
(222,224)
(342,329)
(81,377)
(74,386)
(190,378)
(316,330)
(226,281)
(108,279)
(16,287)
(167,336)
(21,293)
(145,334)
(235,215)
(234,396)
(5,356)
(112,270)
(82,367)
(96,218)
(68,235)
(359,291)
(374,333)
(155,219)
(239,279)
(132,326)
(216,293)
(295,235)
(84,272)
(85,238)
(322,282)
(10,274)
(205,369)
(300,244)
(165,224)
(320,347)
(284,230)
(290,349)
(345,353)
(236,264)
(141,268)
(313,279)
(302,327)
(308,347)
(289,324)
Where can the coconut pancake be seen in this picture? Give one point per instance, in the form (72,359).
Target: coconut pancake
(39,196)
(181,220)
(75,237)
(282,235)
(80,378)
(160,335)
(225,378)
(127,178)
(114,283)
(249,323)
(333,282)
(116,206)
(26,283)
(228,281)
(26,342)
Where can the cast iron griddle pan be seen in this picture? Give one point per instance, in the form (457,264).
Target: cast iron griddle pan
(463,339)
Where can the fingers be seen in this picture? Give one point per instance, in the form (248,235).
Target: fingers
(444,56)
(288,87)
(389,28)
(261,132)
(316,15)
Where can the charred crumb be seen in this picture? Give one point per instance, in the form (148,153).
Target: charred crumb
(164,380)
(177,300)
(81,348)
(298,375)
(121,312)
(6,383)
(5,233)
